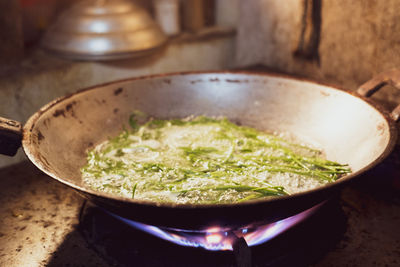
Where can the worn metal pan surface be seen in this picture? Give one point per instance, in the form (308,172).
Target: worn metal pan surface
(349,127)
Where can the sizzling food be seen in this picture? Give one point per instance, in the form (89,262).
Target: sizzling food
(201,160)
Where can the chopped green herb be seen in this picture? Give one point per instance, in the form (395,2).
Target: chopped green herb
(135,118)
(204,160)
(134,190)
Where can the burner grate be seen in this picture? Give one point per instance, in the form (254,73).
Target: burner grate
(122,245)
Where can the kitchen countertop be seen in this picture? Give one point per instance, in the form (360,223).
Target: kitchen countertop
(39,221)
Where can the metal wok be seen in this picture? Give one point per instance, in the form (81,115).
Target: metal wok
(349,127)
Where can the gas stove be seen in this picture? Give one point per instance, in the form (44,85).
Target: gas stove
(222,238)
(119,243)
(44,223)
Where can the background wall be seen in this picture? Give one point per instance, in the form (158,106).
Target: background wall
(358,39)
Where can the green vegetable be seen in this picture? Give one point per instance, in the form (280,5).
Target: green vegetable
(135,118)
(134,190)
(204,160)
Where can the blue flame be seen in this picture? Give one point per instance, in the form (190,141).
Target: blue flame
(205,238)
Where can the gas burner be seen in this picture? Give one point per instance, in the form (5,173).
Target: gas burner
(301,243)
(217,238)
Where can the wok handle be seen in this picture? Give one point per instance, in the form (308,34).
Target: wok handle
(10,136)
(391,77)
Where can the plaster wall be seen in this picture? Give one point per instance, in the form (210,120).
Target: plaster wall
(358,39)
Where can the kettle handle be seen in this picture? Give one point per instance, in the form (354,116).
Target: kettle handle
(10,136)
(391,77)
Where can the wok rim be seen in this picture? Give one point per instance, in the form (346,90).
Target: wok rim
(30,152)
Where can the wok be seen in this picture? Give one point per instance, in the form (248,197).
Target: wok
(348,126)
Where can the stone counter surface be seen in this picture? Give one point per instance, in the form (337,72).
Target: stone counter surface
(39,221)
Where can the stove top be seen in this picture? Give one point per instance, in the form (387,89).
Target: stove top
(121,245)
(44,223)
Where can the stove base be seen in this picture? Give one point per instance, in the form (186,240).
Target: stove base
(122,245)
